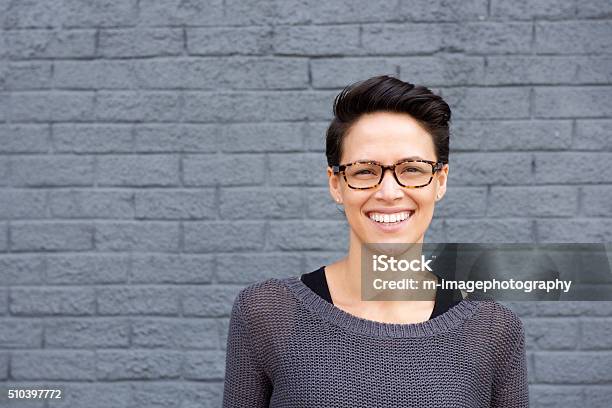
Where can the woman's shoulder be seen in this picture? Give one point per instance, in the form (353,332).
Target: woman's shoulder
(270,292)
(500,321)
(500,312)
(261,287)
(265,307)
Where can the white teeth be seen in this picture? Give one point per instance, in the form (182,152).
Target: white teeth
(389,218)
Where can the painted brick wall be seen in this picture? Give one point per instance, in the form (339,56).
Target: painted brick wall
(157,156)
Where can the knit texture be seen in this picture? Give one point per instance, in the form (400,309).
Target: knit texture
(288,347)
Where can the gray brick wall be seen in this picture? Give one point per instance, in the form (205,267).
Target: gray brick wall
(126,228)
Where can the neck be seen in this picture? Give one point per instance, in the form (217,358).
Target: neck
(348,273)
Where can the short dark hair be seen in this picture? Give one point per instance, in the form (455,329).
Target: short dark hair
(385,93)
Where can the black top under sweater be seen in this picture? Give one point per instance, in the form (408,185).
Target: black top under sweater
(316,281)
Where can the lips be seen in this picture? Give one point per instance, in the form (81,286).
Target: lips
(378,220)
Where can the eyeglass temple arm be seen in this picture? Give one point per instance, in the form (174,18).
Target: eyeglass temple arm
(439,165)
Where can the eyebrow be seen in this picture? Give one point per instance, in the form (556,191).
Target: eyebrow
(399,160)
(412,158)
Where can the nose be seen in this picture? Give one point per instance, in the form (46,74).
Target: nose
(389,189)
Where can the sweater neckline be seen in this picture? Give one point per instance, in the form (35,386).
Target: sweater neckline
(448,320)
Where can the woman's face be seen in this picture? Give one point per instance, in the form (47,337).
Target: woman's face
(387,137)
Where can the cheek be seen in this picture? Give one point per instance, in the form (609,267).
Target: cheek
(353,208)
(425,199)
(428,197)
(426,204)
(354,201)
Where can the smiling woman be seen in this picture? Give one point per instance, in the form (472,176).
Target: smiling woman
(385,124)
(312,341)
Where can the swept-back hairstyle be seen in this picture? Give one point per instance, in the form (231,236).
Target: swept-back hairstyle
(385,93)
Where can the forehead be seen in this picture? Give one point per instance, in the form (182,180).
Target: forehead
(386,137)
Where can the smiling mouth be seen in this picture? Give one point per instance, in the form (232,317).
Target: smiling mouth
(390,219)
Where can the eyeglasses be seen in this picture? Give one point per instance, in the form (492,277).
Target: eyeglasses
(362,175)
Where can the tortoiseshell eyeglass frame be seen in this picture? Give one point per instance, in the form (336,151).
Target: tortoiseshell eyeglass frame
(435,166)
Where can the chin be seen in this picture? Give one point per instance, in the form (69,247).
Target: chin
(399,240)
(391,238)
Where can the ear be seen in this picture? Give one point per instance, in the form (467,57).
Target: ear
(441,179)
(334,186)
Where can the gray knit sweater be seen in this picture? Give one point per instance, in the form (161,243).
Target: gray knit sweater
(288,347)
